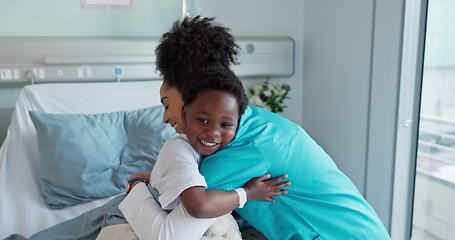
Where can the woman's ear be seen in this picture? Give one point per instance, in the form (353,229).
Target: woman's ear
(184,114)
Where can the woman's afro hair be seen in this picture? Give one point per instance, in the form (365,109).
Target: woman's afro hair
(219,79)
(194,44)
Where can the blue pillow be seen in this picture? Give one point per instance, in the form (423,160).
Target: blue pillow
(87,157)
(322,202)
(146,134)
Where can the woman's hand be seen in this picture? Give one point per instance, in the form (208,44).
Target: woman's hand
(260,188)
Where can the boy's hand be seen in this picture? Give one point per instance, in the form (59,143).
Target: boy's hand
(143,175)
(259,188)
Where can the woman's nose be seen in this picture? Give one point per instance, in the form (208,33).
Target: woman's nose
(166,117)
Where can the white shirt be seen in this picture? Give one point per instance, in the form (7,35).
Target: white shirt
(175,170)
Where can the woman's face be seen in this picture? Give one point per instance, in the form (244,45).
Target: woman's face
(211,121)
(171,99)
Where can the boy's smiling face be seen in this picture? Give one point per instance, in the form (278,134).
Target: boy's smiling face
(211,121)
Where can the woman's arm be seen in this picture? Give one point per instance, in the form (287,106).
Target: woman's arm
(202,203)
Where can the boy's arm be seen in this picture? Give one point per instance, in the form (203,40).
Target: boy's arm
(202,203)
(149,221)
(231,167)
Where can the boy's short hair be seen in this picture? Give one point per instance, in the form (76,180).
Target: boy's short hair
(192,45)
(219,79)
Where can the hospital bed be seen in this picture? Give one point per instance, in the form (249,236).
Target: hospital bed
(23,209)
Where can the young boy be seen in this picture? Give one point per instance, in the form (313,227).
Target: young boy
(212,110)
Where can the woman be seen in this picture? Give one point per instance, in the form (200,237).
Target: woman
(322,202)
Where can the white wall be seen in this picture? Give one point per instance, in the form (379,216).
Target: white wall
(338,42)
(266,18)
(51,18)
(352,58)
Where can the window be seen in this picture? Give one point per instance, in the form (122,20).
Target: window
(434,190)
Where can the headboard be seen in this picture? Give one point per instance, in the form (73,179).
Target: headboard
(38,60)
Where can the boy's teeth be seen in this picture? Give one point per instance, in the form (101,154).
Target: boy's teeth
(208,143)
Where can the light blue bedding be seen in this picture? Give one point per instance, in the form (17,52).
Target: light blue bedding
(84,227)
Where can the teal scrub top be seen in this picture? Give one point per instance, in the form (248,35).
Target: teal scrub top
(322,202)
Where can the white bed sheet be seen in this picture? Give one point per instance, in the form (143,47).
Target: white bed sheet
(22,207)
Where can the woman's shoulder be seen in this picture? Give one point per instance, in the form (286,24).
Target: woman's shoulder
(257,122)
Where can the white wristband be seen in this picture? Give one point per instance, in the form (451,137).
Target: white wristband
(242,196)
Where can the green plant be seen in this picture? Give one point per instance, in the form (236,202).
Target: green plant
(270,97)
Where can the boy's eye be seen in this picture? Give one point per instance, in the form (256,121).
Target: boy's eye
(226,125)
(203,120)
